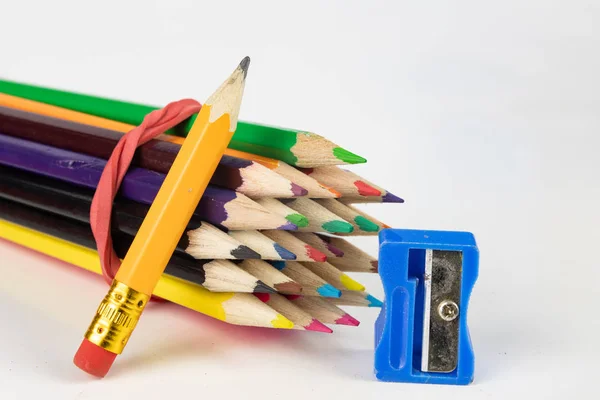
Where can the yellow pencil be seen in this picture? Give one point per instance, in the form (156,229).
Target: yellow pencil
(164,224)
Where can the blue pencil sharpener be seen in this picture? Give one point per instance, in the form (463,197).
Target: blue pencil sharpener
(421,335)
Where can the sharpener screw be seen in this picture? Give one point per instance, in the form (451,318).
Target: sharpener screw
(448,310)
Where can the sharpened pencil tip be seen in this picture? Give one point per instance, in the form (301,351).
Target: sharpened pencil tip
(347,319)
(375,266)
(262,287)
(338,227)
(374,302)
(244,65)
(315,254)
(318,326)
(297,219)
(347,156)
(288,227)
(365,224)
(283,252)
(244,253)
(288,287)
(391,198)
(327,290)
(298,190)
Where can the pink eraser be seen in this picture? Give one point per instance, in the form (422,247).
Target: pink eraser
(94,359)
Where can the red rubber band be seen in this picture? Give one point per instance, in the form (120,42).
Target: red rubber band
(154,124)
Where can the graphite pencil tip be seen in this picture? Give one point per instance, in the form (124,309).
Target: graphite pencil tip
(347,156)
(244,65)
(244,253)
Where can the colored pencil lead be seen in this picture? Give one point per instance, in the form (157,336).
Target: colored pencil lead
(311,282)
(343,182)
(358,299)
(303,251)
(319,218)
(324,310)
(264,247)
(277,207)
(334,276)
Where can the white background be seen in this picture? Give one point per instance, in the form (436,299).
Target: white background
(483,115)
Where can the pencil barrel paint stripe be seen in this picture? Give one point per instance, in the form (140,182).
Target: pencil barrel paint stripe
(139,185)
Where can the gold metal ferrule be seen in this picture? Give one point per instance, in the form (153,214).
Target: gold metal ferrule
(116,317)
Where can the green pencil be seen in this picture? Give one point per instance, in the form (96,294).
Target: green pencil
(299,148)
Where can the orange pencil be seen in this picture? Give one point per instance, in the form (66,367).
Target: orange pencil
(164,224)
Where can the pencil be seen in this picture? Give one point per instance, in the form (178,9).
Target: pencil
(271,276)
(323,310)
(345,183)
(371,218)
(303,251)
(245,176)
(266,248)
(384,197)
(300,318)
(320,219)
(221,207)
(277,207)
(311,283)
(214,275)
(331,274)
(201,239)
(299,148)
(353,260)
(319,243)
(233,308)
(357,299)
(169,212)
(362,225)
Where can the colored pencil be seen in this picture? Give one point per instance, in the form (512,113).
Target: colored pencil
(312,284)
(362,225)
(300,318)
(271,276)
(323,310)
(345,183)
(266,248)
(371,218)
(331,274)
(299,148)
(277,207)
(233,308)
(244,176)
(384,197)
(214,275)
(303,251)
(320,219)
(221,207)
(357,299)
(201,239)
(319,243)
(353,260)
(315,189)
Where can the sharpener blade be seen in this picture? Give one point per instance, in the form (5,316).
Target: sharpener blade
(442,281)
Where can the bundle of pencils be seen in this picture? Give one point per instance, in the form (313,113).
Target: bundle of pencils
(266,246)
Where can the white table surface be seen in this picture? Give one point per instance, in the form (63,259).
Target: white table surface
(484,117)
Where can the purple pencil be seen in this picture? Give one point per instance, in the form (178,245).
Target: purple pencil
(222,207)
